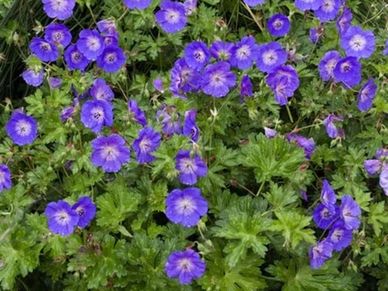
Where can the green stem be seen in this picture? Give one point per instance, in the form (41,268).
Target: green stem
(260,188)
(289,114)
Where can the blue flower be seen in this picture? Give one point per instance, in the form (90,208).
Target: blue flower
(366,96)
(145,144)
(327,64)
(328,10)
(324,216)
(253,3)
(190,167)
(308,4)
(184,79)
(86,210)
(95,114)
(357,42)
(344,21)
(136,113)
(61,9)
(112,59)
(278,25)
(348,71)
(170,120)
(58,34)
(33,78)
(270,56)
(244,53)
(137,4)
(218,79)
(350,212)
(196,54)
(246,87)
(74,59)
(61,218)
(171,17)
(328,196)
(43,50)
(100,90)
(22,128)
(339,236)
(90,44)
(5,178)
(190,128)
(320,253)
(221,50)
(331,129)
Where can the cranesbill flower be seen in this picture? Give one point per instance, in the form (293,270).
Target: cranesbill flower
(372,167)
(54,82)
(58,34)
(170,120)
(190,167)
(158,84)
(5,178)
(186,265)
(244,53)
(171,17)
(366,95)
(112,59)
(190,128)
(246,86)
(348,71)
(95,114)
(381,153)
(328,10)
(383,180)
(74,59)
(270,56)
(90,44)
(283,81)
(328,196)
(221,50)
(22,128)
(190,6)
(320,253)
(269,132)
(33,78)
(357,42)
(100,90)
(253,3)
(43,50)
(350,212)
(196,54)
(137,4)
(278,25)
(327,64)
(107,27)
(145,144)
(61,9)
(307,144)
(110,153)
(136,113)
(61,218)
(339,236)
(314,34)
(324,216)
(186,207)
(331,129)
(304,5)
(344,21)
(218,79)
(86,210)
(67,113)
(184,79)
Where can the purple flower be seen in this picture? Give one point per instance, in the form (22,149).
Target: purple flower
(381,153)
(328,10)
(110,153)
(43,50)
(339,236)
(331,130)
(357,42)
(58,34)
(283,81)
(308,4)
(350,212)
(372,167)
(196,55)
(190,167)
(320,253)
(100,90)
(158,85)
(137,4)
(324,216)
(314,34)
(95,114)
(107,27)
(190,128)
(22,128)
(278,25)
(171,17)
(136,113)
(186,206)
(183,79)
(61,218)
(348,71)
(270,56)
(55,82)
(86,210)
(253,3)
(186,265)
(246,86)
(5,178)
(221,50)
(74,59)
(344,21)
(303,195)
(145,144)
(307,144)
(269,132)
(244,53)
(67,113)
(33,78)
(366,95)
(328,196)
(61,9)
(90,44)
(169,117)
(383,180)
(327,64)
(218,79)
(112,59)
(190,6)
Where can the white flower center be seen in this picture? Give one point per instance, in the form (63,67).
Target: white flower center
(185,265)
(62,217)
(217,79)
(188,165)
(328,6)
(199,56)
(59,5)
(109,153)
(172,16)
(111,58)
(23,128)
(270,57)
(185,206)
(145,145)
(2,177)
(357,42)
(337,235)
(93,43)
(97,114)
(330,65)
(278,24)
(243,52)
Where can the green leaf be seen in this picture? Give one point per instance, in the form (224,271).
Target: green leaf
(378,217)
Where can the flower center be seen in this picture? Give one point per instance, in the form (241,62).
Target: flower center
(185,264)
(23,128)
(218,79)
(185,206)
(337,235)
(357,42)
(346,67)
(45,46)
(80,211)
(58,4)
(243,52)
(328,6)
(93,43)
(330,65)
(145,145)
(270,57)
(2,177)
(278,24)
(111,58)
(57,36)
(199,56)
(188,165)
(98,114)
(76,57)
(62,217)
(172,16)
(110,153)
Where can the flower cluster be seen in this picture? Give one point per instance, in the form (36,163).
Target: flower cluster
(379,166)
(63,219)
(339,221)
